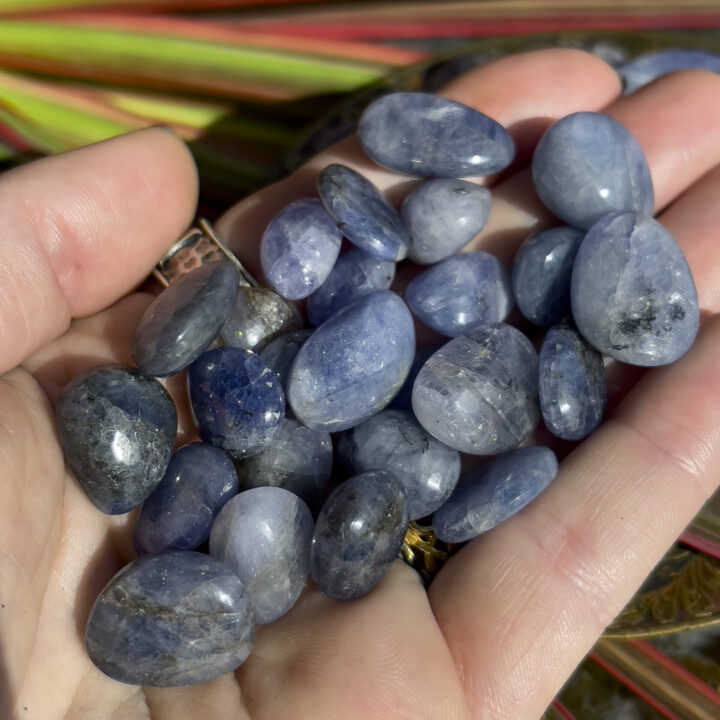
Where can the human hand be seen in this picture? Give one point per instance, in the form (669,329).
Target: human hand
(510,616)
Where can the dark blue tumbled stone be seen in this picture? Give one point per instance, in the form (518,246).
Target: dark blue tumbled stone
(495,492)
(587,165)
(116,426)
(633,296)
(170,619)
(423,134)
(403,400)
(363,214)
(573,393)
(236,400)
(541,274)
(358,534)
(646,68)
(184,319)
(199,480)
(280,354)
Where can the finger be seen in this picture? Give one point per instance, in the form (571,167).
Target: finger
(83,228)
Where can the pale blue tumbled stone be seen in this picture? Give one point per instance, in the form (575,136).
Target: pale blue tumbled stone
(264,535)
(442,216)
(573,392)
(461,293)
(495,492)
(352,366)
(355,274)
(633,296)
(280,354)
(432,136)
(479,392)
(646,68)
(363,214)
(587,165)
(358,534)
(299,248)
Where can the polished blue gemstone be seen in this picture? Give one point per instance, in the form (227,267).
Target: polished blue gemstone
(495,492)
(355,274)
(236,400)
(358,534)
(199,480)
(573,393)
(403,400)
(363,214)
(428,135)
(541,274)
(461,293)
(633,296)
(352,366)
(280,354)
(587,165)
(442,216)
(646,68)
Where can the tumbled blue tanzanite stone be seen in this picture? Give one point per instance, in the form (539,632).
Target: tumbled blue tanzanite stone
(352,366)
(646,68)
(394,441)
(361,211)
(541,274)
(264,535)
(442,216)
(355,274)
(236,400)
(170,619)
(573,393)
(479,392)
(461,293)
(633,296)
(178,515)
(116,426)
(280,354)
(358,534)
(423,134)
(494,492)
(587,165)
(299,248)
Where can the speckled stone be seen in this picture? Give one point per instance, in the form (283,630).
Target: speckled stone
(175,618)
(460,293)
(352,366)
(178,515)
(358,534)
(442,216)
(423,134)
(363,214)
(279,355)
(495,492)
(117,427)
(646,68)
(587,165)
(632,293)
(479,392)
(264,535)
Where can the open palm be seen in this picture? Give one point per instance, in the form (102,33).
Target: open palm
(510,616)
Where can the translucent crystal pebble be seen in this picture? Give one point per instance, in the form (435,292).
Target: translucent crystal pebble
(646,68)
(358,534)
(178,515)
(495,492)
(479,392)
(352,366)
(170,619)
(184,319)
(541,274)
(363,214)
(461,293)
(355,274)
(442,216)
(299,248)
(280,353)
(116,426)
(587,165)
(633,296)
(264,535)
(423,134)
(573,393)
(299,459)
(236,400)
(394,441)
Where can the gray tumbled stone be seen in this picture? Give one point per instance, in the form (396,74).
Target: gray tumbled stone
(648,67)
